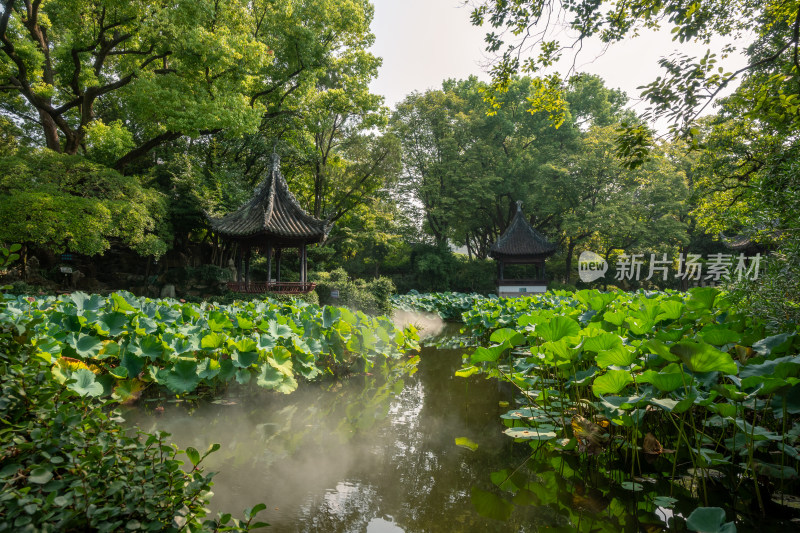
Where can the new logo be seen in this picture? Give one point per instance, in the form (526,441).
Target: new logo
(591,266)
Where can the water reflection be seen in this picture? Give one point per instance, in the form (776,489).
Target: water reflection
(362,454)
(380,455)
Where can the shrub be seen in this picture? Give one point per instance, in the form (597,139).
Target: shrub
(556,286)
(371,297)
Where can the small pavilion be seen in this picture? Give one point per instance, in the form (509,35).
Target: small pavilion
(521,244)
(270,222)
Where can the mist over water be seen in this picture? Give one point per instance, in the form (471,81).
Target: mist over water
(351,456)
(428,324)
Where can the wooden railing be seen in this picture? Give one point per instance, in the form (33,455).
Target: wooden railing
(282,287)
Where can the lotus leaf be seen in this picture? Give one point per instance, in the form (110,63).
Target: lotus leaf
(612,382)
(85,383)
(700,357)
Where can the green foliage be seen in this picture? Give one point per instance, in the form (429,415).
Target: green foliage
(162,71)
(129,342)
(65,202)
(371,297)
(687,366)
(449,306)
(69,465)
(683,91)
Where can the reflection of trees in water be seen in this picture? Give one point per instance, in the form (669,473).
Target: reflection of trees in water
(332,457)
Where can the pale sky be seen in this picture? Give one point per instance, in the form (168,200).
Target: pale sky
(423,42)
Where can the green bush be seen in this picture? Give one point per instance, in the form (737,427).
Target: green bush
(371,297)
(435,269)
(67,464)
(556,286)
(230,297)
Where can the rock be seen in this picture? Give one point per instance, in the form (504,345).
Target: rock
(168,291)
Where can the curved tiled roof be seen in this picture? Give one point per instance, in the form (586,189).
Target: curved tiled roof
(272,212)
(521,240)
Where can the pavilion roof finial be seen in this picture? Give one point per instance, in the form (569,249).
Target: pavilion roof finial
(276,159)
(519,206)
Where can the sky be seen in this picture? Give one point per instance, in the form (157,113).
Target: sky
(423,42)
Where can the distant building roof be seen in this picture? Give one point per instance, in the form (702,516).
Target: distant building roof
(521,240)
(272,212)
(736,242)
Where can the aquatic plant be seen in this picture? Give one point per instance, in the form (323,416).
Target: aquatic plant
(683,376)
(126,343)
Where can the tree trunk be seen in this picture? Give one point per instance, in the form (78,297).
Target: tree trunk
(50,132)
(568,264)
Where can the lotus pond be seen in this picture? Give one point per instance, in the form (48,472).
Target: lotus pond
(576,412)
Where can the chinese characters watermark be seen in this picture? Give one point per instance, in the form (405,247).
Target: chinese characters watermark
(691,267)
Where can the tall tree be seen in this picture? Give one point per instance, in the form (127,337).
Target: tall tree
(526,41)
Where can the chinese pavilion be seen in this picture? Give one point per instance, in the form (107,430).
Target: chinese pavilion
(271,221)
(521,244)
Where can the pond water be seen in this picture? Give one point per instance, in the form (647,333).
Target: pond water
(369,455)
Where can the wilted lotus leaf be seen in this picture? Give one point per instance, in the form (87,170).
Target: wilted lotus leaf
(651,445)
(592,438)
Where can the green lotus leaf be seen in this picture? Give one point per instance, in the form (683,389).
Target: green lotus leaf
(148,346)
(673,406)
(529,433)
(279,331)
(667,379)
(208,368)
(709,520)
(719,335)
(86,346)
(244,359)
(243,376)
(700,357)
(602,342)
(218,321)
(487,354)
(502,335)
(119,372)
(85,383)
(127,389)
(614,317)
(701,298)
(612,382)
(662,350)
(226,369)
(639,326)
(669,310)
(558,328)
(618,356)
(281,360)
(182,377)
(329,316)
(774,345)
(133,363)
(561,349)
(212,341)
(114,323)
(120,303)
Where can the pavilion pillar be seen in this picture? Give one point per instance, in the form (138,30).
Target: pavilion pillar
(303,264)
(238,264)
(278,261)
(269,264)
(247,267)
(500,265)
